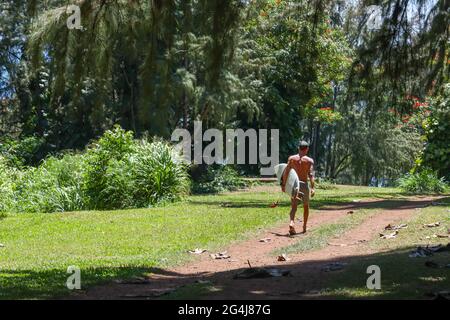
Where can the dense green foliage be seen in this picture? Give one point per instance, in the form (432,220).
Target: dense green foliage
(316,69)
(218,178)
(115,172)
(27,150)
(436,125)
(423,182)
(126,174)
(292,55)
(55,185)
(103,167)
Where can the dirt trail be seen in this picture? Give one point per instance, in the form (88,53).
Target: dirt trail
(305,267)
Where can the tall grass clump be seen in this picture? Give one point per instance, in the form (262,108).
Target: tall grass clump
(126,173)
(159,173)
(54,186)
(425,181)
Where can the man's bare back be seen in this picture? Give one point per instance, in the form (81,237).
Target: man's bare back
(301,165)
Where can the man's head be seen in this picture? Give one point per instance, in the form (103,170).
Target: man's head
(303,147)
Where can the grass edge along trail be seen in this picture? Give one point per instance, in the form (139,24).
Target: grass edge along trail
(106,245)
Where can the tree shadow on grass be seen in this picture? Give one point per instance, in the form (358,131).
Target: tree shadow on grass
(401,277)
(52,283)
(334,203)
(387,204)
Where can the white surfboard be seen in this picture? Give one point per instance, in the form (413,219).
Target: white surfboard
(292,186)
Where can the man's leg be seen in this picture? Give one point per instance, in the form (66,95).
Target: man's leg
(306,195)
(305,215)
(294,204)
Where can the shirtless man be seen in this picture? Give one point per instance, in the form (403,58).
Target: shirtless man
(303,165)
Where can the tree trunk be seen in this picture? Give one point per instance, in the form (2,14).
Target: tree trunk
(316,143)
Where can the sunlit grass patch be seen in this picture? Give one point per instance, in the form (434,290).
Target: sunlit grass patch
(124,243)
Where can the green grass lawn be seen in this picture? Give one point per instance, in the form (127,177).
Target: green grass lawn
(38,248)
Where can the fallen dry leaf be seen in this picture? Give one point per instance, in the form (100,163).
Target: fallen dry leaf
(197,251)
(275,204)
(398,227)
(220,255)
(432,225)
(203,281)
(283,257)
(389,236)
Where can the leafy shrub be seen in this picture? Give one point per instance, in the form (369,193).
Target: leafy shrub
(425,181)
(54,186)
(102,157)
(436,125)
(126,173)
(159,173)
(150,174)
(116,172)
(219,178)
